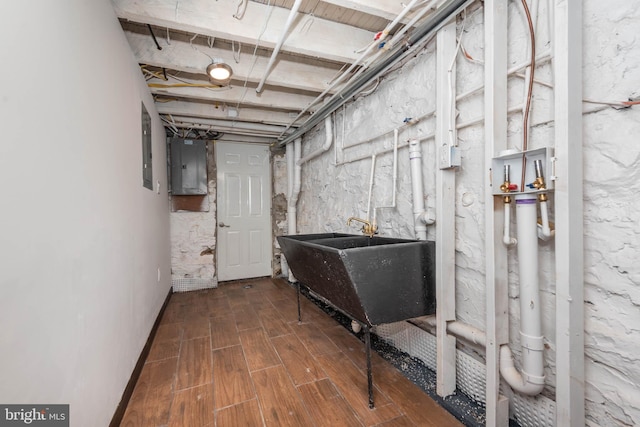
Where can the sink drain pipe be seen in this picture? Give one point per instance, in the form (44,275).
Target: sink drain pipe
(530,379)
(421,217)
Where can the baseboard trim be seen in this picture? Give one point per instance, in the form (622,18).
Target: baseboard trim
(137,370)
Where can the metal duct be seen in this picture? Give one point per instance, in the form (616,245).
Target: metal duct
(423,32)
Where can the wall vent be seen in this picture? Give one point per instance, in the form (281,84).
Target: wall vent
(187,284)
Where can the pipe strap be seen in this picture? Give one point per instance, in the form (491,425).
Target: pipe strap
(533,379)
(531,342)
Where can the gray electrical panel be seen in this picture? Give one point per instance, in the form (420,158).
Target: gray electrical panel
(188,167)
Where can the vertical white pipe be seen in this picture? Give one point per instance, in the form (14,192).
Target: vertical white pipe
(294,172)
(415,158)
(283,37)
(297,174)
(531,380)
(395,167)
(395,179)
(290,172)
(506,238)
(373,171)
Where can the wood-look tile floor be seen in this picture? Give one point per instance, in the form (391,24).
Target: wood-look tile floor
(237,356)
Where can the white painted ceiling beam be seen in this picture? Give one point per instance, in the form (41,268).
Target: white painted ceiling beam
(310,36)
(387,9)
(233,95)
(182,56)
(230,124)
(209,111)
(236,128)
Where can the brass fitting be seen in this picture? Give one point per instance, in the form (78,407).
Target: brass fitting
(539,183)
(368,228)
(505,187)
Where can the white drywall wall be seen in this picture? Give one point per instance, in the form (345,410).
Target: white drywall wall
(81,240)
(331,194)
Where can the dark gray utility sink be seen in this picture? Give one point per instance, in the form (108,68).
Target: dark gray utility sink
(373,280)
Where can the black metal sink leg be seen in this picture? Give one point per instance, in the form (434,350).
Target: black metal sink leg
(299,314)
(367,343)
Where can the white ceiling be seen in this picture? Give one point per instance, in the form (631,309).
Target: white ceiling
(325,37)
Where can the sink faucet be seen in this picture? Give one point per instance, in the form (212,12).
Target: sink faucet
(368,228)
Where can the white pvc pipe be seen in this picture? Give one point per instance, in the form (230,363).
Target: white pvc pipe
(544,217)
(396,37)
(290,155)
(395,168)
(371,176)
(506,237)
(283,37)
(297,174)
(356,63)
(531,380)
(469,333)
(395,178)
(328,140)
(420,216)
(294,173)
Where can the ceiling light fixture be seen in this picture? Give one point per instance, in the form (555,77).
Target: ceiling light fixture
(219,73)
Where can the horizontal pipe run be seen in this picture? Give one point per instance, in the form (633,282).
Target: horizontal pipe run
(408,122)
(422,33)
(468,333)
(353,65)
(328,130)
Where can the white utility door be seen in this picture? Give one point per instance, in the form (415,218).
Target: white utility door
(244,211)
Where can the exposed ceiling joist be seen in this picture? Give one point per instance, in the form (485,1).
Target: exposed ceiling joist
(387,9)
(283,101)
(210,111)
(191,58)
(311,36)
(176,40)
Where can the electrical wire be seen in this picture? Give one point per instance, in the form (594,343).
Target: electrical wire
(452,113)
(233,50)
(241,9)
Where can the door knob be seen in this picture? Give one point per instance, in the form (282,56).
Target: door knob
(222,224)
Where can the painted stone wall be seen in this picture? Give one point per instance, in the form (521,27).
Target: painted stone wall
(334,187)
(193,238)
(278,204)
(194,234)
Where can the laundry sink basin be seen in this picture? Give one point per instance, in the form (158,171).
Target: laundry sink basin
(373,280)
